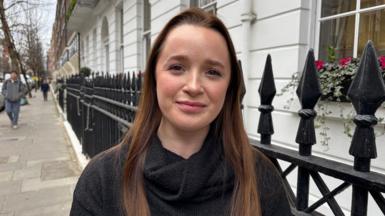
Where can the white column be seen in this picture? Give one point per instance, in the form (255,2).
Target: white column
(247,16)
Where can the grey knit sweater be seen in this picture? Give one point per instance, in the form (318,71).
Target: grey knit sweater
(13,90)
(200,185)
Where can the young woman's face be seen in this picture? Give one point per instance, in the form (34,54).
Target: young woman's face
(192,76)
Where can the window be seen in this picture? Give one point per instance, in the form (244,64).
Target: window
(94,51)
(87,51)
(107,55)
(207,5)
(346,25)
(119,37)
(106,46)
(82,63)
(146,34)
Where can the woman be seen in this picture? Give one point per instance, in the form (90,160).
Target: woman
(187,152)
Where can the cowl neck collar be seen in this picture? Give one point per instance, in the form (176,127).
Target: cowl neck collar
(202,176)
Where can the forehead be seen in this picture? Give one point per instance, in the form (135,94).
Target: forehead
(196,38)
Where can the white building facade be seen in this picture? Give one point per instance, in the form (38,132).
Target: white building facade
(116,35)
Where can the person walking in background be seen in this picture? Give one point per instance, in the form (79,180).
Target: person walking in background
(13,90)
(44,88)
(35,81)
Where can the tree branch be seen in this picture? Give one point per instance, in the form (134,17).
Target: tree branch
(15,3)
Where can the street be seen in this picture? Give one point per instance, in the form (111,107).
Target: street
(38,169)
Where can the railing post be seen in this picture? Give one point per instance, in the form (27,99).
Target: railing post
(367,92)
(308,92)
(267,92)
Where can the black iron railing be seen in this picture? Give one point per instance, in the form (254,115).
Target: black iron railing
(367,92)
(60,88)
(101,108)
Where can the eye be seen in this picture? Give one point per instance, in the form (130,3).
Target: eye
(175,68)
(214,73)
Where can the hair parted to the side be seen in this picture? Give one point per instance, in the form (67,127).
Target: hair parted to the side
(228,125)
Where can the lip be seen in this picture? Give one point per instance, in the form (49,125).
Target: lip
(190,106)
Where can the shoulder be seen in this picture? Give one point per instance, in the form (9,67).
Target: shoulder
(270,186)
(103,165)
(99,182)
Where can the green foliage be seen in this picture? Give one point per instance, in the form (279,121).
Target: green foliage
(85,71)
(70,9)
(335,79)
(331,54)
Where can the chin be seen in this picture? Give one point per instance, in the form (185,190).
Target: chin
(191,127)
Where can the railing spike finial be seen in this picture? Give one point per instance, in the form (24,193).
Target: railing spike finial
(243,88)
(366,92)
(308,91)
(267,92)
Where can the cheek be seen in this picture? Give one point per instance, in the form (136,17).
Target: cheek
(218,94)
(166,86)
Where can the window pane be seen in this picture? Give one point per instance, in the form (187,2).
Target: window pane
(146,15)
(338,33)
(371,3)
(203,3)
(372,27)
(333,7)
(121,26)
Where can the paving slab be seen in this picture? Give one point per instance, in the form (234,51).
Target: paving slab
(28,172)
(6,176)
(58,169)
(37,199)
(38,170)
(61,209)
(10,166)
(10,187)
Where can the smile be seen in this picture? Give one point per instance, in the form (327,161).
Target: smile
(190,106)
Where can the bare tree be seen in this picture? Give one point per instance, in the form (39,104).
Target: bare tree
(10,45)
(32,52)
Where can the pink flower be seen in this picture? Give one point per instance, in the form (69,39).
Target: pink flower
(381,60)
(319,64)
(345,61)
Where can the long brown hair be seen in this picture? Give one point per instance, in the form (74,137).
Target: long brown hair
(228,125)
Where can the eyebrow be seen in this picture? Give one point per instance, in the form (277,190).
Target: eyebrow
(177,57)
(211,62)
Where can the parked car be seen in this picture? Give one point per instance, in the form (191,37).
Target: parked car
(31,82)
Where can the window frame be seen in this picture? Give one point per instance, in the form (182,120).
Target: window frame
(357,13)
(120,39)
(146,34)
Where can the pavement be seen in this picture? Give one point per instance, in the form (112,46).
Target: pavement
(38,166)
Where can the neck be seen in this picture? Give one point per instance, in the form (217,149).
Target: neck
(181,142)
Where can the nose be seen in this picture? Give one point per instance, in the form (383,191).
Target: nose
(193,84)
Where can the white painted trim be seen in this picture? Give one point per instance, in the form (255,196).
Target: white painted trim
(356,29)
(153,2)
(82,160)
(247,17)
(312,24)
(317,29)
(349,13)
